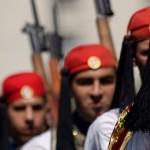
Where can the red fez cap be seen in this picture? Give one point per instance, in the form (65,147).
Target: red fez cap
(91,56)
(139,25)
(22,85)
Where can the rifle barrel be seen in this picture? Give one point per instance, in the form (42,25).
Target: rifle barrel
(35,13)
(55,17)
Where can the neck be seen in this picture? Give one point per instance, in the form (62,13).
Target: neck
(81,124)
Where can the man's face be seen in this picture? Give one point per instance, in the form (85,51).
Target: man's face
(141,54)
(27,117)
(93,91)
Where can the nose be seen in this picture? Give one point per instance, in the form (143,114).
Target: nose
(29,115)
(96,92)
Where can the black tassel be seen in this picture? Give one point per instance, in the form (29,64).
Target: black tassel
(64,130)
(3,127)
(139,117)
(125,90)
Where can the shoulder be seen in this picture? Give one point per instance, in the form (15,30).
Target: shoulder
(108,118)
(100,130)
(104,124)
(40,142)
(112,113)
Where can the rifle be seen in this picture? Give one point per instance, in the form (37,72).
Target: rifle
(54,65)
(42,41)
(37,38)
(103,11)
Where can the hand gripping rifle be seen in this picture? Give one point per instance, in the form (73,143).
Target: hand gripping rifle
(103,12)
(38,42)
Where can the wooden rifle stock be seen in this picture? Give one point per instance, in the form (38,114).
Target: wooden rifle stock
(105,33)
(103,12)
(38,67)
(55,76)
(55,87)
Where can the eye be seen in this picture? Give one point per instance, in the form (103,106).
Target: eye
(19,108)
(107,80)
(38,107)
(145,52)
(84,81)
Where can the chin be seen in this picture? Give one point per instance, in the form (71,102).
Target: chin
(25,139)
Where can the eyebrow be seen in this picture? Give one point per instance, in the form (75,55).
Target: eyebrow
(23,107)
(90,80)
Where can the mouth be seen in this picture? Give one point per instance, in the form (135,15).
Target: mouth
(97,110)
(30,132)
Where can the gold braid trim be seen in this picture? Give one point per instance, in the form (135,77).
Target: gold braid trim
(126,139)
(119,131)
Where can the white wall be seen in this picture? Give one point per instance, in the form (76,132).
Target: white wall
(76,24)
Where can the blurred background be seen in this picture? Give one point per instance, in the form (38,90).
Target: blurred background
(76,22)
